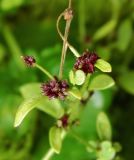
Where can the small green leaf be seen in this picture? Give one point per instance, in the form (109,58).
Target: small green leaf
(103,127)
(55,139)
(74,51)
(101,82)
(127,82)
(75,92)
(107,152)
(103,65)
(79,77)
(71,77)
(25,108)
(105,30)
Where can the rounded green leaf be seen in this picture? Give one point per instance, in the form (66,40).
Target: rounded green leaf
(127,82)
(101,82)
(107,152)
(103,65)
(79,77)
(25,108)
(103,127)
(55,139)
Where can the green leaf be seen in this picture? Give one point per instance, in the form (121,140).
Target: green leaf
(75,92)
(105,30)
(103,127)
(71,77)
(25,108)
(125,33)
(79,77)
(101,82)
(103,65)
(107,152)
(55,139)
(127,82)
(30,90)
(51,107)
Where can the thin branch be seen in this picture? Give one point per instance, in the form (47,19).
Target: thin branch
(64,49)
(70,4)
(44,71)
(68,17)
(73,50)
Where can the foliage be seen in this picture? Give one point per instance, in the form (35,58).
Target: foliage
(28,28)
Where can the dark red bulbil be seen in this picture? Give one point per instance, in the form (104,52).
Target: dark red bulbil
(64,120)
(55,89)
(86,62)
(29,60)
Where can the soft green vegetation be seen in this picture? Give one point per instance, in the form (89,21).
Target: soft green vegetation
(28,27)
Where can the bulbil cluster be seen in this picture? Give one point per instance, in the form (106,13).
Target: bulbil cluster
(29,60)
(55,89)
(86,62)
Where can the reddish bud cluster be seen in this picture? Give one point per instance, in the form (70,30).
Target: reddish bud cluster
(86,62)
(55,89)
(29,60)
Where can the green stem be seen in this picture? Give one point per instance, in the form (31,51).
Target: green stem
(44,71)
(80,140)
(49,154)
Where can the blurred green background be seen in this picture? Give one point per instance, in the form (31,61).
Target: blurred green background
(28,27)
